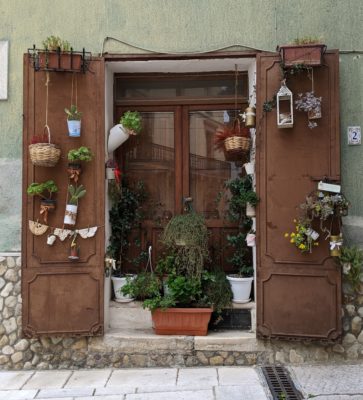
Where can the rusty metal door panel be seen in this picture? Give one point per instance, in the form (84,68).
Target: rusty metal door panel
(298,295)
(61,296)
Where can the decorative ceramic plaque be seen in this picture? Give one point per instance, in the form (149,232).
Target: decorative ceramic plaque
(4,48)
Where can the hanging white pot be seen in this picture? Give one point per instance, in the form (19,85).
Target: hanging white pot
(241,288)
(74,128)
(70,214)
(118,283)
(250,210)
(250,168)
(251,240)
(118,135)
(110,173)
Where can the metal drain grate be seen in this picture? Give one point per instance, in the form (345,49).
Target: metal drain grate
(280,384)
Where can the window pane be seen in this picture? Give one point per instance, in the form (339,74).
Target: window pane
(149,157)
(221,86)
(209,168)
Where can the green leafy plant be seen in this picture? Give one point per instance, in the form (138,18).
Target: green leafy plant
(241,257)
(132,121)
(307,40)
(144,286)
(186,236)
(81,154)
(351,261)
(166,265)
(268,105)
(53,43)
(125,215)
(73,114)
(216,290)
(38,189)
(75,193)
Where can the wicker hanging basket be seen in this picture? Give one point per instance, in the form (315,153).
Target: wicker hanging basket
(237,143)
(44,154)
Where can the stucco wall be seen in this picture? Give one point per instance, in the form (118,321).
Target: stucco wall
(176,26)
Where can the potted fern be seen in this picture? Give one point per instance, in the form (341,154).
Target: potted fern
(130,124)
(73,121)
(74,194)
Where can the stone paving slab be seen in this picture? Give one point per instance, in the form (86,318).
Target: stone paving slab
(195,376)
(90,378)
(237,376)
(114,390)
(74,392)
(185,395)
(14,380)
(140,377)
(17,394)
(329,380)
(340,397)
(245,392)
(48,380)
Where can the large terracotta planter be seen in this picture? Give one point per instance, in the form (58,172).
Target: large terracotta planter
(181,321)
(307,54)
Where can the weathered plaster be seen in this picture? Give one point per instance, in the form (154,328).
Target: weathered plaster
(177,26)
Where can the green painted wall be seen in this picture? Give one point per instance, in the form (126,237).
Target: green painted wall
(176,26)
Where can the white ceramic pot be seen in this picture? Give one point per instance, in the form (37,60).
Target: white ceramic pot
(118,135)
(251,239)
(241,289)
(70,215)
(74,128)
(118,283)
(110,173)
(249,168)
(250,210)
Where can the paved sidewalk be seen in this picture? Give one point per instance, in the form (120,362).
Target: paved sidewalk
(329,382)
(224,383)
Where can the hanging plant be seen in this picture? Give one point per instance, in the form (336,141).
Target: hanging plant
(74,194)
(310,104)
(73,121)
(304,237)
(44,191)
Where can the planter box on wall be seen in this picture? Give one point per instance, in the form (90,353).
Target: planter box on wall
(307,54)
(181,321)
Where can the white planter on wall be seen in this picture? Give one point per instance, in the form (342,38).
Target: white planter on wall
(241,288)
(118,135)
(118,283)
(70,215)
(250,210)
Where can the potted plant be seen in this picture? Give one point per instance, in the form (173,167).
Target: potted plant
(351,262)
(233,139)
(75,157)
(125,215)
(74,194)
(130,124)
(311,104)
(303,51)
(47,204)
(183,309)
(58,55)
(73,121)
(242,196)
(241,280)
(304,237)
(42,152)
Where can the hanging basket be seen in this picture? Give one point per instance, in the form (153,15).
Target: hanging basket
(44,154)
(237,144)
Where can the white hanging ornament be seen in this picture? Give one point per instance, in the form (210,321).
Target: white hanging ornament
(285,109)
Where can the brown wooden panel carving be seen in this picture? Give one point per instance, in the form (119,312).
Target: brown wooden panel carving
(61,295)
(288,163)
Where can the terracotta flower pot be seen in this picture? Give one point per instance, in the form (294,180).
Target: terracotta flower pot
(307,54)
(181,321)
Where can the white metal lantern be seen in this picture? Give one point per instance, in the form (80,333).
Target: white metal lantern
(285,109)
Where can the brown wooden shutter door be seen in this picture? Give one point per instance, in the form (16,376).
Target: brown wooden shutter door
(298,295)
(62,297)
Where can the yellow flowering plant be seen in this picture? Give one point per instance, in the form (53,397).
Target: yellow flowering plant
(304,237)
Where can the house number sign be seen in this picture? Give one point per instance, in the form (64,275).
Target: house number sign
(354,135)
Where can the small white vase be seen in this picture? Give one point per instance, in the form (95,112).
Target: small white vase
(251,240)
(249,168)
(110,173)
(241,289)
(118,283)
(118,135)
(70,216)
(250,210)
(74,128)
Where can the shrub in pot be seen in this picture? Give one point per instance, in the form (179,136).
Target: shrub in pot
(44,191)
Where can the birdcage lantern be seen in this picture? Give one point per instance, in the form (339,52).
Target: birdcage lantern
(285,109)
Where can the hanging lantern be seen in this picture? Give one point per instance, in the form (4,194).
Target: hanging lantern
(249,117)
(285,109)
